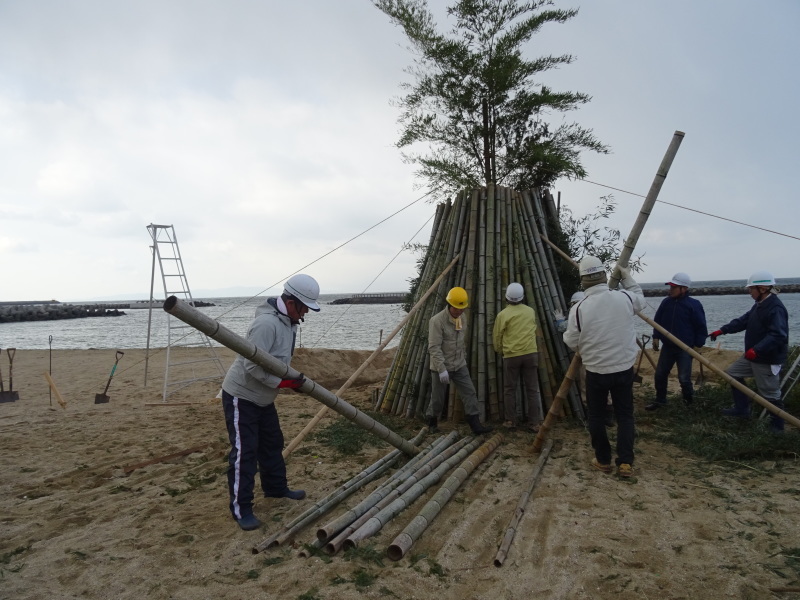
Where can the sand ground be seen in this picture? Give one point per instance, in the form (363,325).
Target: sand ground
(79,520)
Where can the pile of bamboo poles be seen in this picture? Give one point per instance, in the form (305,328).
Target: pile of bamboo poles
(498,233)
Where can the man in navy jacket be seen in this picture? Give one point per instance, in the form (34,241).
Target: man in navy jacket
(766,343)
(683,317)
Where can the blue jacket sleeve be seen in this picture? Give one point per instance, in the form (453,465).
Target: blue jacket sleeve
(657,318)
(737,325)
(699,325)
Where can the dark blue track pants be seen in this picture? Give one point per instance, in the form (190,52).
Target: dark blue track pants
(256,444)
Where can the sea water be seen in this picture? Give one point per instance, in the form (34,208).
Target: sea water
(336,326)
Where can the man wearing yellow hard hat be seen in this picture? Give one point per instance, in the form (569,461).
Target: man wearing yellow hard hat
(447,331)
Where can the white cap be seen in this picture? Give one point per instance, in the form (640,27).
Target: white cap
(764,278)
(680,279)
(590,265)
(515,292)
(305,288)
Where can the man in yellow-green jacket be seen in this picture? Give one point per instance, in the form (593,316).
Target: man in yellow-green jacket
(515,338)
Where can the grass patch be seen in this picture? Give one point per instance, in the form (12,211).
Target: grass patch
(704,432)
(309,595)
(366,554)
(348,439)
(363,578)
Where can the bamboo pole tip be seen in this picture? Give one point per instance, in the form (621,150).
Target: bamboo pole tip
(680,133)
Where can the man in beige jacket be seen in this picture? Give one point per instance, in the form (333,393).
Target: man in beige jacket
(447,331)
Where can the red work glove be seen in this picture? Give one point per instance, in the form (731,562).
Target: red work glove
(714,335)
(750,354)
(292,384)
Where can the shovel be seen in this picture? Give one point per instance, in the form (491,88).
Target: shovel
(643,345)
(701,378)
(102,398)
(10,395)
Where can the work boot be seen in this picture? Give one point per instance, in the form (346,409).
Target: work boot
(741,404)
(433,425)
(287,493)
(655,405)
(477,427)
(776,423)
(249,522)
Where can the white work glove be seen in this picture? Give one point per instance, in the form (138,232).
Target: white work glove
(561,321)
(623,273)
(444,377)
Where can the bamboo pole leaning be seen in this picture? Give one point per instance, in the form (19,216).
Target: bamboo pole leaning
(403,542)
(316,419)
(216,331)
(739,386)
(519,511)
(563,391)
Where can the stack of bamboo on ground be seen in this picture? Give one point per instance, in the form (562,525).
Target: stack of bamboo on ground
(497,231)
(391,497)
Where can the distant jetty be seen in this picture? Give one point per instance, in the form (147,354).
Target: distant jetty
(52,310)
(792,288)
(387,298)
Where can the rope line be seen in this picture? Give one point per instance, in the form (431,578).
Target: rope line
(342,245)
(403,247)
(694,210)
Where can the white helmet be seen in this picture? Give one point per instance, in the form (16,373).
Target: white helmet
(680,279)
(590,265)
(515,292)
(577,297)
(305,288)
(764,278)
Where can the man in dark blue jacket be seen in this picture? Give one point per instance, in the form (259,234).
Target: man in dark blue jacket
(766,343)
(683,317)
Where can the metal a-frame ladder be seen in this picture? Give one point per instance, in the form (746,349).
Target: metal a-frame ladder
(184,366)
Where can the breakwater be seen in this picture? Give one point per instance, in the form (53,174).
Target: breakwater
(385,298)
(51,311)
(792,288)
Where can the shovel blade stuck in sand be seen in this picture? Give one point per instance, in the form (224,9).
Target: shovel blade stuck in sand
(103,398)
(10,395)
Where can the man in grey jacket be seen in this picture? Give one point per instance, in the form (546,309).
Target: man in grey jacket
(447,331)
(601,329)
(248,401)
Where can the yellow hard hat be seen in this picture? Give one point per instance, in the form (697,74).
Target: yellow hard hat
(457,298)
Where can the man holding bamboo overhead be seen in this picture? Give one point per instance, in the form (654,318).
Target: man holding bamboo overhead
(447,331)
(601,328)
(514,337)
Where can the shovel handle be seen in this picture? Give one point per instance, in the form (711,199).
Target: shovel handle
(119,355)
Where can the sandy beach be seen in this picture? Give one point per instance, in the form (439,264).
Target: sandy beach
(83,516)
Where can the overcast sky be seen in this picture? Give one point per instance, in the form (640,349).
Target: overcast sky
(263,131)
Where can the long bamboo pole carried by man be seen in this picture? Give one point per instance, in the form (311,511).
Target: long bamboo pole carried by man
(625,255)
(216,331)
(316,419)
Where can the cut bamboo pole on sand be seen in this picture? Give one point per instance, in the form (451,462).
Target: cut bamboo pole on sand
(53,387)
(561,395)
(403,542)
(213,329)
(316,419)
(322,506)
(376,523)
(511,531)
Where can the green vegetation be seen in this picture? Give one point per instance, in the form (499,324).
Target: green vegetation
(348,439)
(703,431)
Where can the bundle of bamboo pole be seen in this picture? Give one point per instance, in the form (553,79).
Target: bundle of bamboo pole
(499,234)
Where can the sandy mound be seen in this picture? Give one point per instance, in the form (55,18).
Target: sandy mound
(81,516)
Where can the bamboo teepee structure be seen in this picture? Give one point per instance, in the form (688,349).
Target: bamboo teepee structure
(497,232)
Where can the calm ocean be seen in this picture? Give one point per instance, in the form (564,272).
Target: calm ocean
(341,326)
